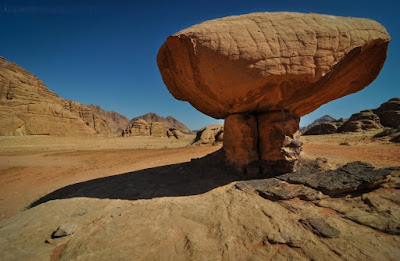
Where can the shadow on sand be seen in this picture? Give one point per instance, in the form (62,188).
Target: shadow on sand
(185,179)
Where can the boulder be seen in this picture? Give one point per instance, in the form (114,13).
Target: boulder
(208,135)
(258,67)
(389,113)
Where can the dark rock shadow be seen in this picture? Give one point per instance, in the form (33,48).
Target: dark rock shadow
(185,179)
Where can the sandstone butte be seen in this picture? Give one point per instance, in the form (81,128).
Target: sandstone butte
(28,107)
(262,71)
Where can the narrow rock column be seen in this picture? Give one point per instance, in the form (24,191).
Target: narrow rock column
(263,144)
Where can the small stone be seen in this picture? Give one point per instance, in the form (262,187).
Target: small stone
(64,230)
(79,212)
(276,238)
(320,227)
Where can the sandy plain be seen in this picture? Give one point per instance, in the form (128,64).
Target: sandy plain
(34,166)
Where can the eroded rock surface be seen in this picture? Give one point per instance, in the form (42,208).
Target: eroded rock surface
(209,134)
(28,107)
(116,121)
(364,120)
(323,128)
(169,122)
(140,127)
(172,132)
(389,113)
(260,65)
(386,117)
(157,129)
(199,215)
(271,61)
(137,128)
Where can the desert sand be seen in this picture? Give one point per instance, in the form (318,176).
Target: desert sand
(144,198)
(33,166)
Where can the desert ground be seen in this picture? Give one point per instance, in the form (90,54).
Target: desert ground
(146,198)
(33,166)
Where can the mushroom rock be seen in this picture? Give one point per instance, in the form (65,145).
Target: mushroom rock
(262,71)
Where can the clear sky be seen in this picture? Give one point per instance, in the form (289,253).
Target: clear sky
(104,52)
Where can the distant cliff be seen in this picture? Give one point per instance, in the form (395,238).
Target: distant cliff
(27,107)
(323,119)
(116,121)
(169,122)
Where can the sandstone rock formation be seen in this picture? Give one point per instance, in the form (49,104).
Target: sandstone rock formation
(140,127)
(209,134)
(157,129)
(169,122)
(386,117)
(114,120)
(172,132)
(363,120)
(27,107)
(284,218)
(323,128)
(270,68)
(389,113)
(321,120)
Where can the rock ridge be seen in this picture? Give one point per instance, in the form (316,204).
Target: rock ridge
(28,107)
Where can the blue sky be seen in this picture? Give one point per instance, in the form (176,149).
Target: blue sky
(104,52)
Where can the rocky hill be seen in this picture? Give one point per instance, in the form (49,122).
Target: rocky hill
(116,121)
(323,119)
(169,122)
(140,127)
(28,107)
(386,117)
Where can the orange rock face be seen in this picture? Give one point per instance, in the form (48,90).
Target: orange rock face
(271,61)
(27,107)
(265,143)
(288,63)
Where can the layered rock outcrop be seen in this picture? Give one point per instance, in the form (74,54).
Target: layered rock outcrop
(364,120)
(209,134)
(323,128)
(323,119)
(140,127)
(172,132)
(389,113)
(264,68)
(386,117)
(114,120)
(169,122)
(27,107)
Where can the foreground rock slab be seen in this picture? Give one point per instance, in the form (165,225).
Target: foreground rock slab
(175,220)
(263,71)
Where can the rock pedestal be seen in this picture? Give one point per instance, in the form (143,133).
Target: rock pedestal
(262,71)
(262,144)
